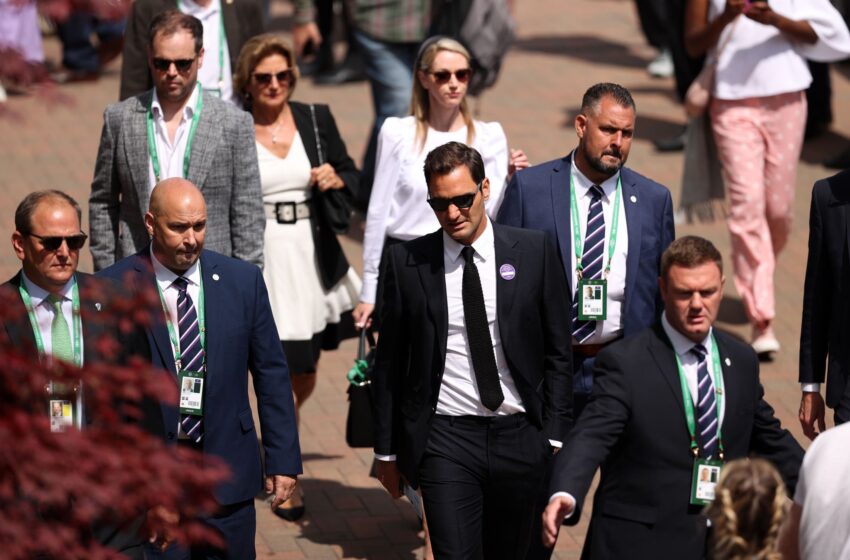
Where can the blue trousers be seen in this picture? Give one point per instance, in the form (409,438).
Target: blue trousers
(78,51)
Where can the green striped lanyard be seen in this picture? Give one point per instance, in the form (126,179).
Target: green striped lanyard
(577,240)
(196,115)
(688,399)
(78,323)
(172,330)
(222,41)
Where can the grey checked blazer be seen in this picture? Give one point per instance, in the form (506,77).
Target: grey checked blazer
(223,164)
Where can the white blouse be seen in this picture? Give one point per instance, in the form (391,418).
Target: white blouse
(398,207)
(759,60)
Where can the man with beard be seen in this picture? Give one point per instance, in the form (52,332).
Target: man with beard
(631,224)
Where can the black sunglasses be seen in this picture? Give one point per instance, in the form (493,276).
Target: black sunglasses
(182,64)
(53,242)
(265,78)
(443,76)
(462,201)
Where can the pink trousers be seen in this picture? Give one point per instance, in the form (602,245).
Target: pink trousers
(759,142)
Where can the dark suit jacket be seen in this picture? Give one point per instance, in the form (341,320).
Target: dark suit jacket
(825,333)
(242,20)
(533,315)
(96,325)
(539,198)
(241,336)
(332,262)
(634,428)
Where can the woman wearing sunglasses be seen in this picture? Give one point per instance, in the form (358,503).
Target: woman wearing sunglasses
(304,166)
(398,210)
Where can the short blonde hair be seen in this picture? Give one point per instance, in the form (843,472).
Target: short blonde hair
(253,52)
(420,105)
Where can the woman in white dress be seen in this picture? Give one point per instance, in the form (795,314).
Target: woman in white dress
(439,114)
(307,176)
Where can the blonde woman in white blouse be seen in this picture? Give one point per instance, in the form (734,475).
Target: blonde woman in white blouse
(398,210)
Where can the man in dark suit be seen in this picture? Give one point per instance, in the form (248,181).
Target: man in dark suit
(591,185)
(218,326)
(71,311)
(239,21)
(667,403)
(176,129)
(472,378)
(825,333)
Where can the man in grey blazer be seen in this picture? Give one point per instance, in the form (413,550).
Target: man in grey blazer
(176,130)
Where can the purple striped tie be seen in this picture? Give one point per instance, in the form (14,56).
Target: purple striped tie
(591,259)
(191,351)
(707,417)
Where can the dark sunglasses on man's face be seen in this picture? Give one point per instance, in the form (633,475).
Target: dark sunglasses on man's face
(265,78)
(182,64)
(52,243)
(462,201)
(443,76)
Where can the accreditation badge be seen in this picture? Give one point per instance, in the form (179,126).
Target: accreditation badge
(61,414)
(705,477)
(592,300)
(191,392)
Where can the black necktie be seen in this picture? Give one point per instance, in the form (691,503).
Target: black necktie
(478,335)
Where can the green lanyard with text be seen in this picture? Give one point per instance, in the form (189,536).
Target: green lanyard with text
(612,239)
(172,331)
(78,323)
(222,40)
(157,173)
(688,399)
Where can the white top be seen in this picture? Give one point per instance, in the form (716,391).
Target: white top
(759,60)
(44,310)
(211,74)
(170,154)
(823,491)
(612,327)
(285,179)
(459,394)
(397,206)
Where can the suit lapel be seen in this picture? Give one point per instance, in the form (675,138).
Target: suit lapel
(136,151)
(732,397)
(665,357)
(90,310)
(158,329)
(214,312)
(506,254)
(631,202)
(560,188)
(304,127)
(19,331)
(206,139)
(432,273)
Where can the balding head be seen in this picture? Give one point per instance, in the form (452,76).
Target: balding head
(176,221)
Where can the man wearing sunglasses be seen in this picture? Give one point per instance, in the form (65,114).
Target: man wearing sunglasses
(62,314)
(472,380)
(177,129)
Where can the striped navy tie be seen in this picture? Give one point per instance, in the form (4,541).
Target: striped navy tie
(191,351)
(706,406)
(591,259)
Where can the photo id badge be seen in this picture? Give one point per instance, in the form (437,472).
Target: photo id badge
(61,414)
(592,298)
(191,392)
(705,477)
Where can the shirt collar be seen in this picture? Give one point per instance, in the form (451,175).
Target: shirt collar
(681,344)
(191,8)
(583,184)
(38,294)
(166,277)
(484,245)
(188,108)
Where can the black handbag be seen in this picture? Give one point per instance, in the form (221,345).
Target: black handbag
(335,205)
(360,423)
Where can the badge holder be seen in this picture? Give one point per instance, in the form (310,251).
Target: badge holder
(191,392)
(592,300)
(64,406)
(704,480)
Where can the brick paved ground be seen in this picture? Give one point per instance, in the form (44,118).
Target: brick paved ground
(555,58)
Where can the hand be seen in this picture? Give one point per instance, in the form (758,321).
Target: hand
(362,315)
(282,485)
(812,409)
(389,476)
(761,12)
(325,178)
(305,33)
(517,161)
(554,514)
(733,9)
(163,521)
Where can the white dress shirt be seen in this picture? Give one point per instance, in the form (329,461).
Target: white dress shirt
(170,154)
(612,327)
(215,74)
(44,310)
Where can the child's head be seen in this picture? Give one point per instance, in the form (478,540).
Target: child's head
(747,512)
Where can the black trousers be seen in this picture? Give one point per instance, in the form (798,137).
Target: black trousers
(480,479)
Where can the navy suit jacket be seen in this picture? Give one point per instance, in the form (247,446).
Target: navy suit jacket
(539,198)
(240,336)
